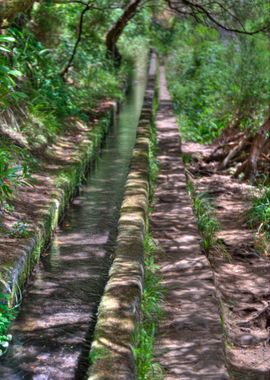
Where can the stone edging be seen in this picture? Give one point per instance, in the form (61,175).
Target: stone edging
(14,276)
(111,355)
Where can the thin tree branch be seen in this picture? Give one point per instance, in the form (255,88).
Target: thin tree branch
(87,6)
(201,9)
(79,37)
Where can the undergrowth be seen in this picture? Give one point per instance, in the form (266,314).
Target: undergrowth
(151,309)
(7,315)
(259,218)
(14,172)
(222,81)
(208,225)
(36,103)
(147,368)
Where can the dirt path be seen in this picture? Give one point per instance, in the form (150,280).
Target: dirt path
(189,344)
(242,275)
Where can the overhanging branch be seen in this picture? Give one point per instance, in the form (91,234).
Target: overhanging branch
(198,8)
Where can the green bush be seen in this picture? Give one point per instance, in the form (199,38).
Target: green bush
(147,367)
(259,215)
(7,314)
(7,74)
(12,174)
(207,224)
(217,81)
(259,219)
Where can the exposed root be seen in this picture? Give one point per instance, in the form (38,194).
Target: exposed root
(248,154)
(234,152)
(260,319)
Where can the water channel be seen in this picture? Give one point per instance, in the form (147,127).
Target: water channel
(52,334)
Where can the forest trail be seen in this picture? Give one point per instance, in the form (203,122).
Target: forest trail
(190,343)
(242,273)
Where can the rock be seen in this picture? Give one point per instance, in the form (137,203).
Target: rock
(248,340)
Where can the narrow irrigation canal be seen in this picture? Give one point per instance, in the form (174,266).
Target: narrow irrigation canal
(52,333)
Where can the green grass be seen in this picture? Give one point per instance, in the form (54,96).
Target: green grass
(154,166)
(187,158)
(147,368)
(153,162)
(151,310)
(259,215)
(13,173)
(259,218)
(207,224)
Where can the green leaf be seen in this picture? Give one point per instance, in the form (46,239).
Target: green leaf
(44,51)
(4,49)
(7,39)
(4,69)
(15,73)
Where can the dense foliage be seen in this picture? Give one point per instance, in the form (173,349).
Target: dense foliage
(54,65)
(222,81)
(7,314)
(8,74)
(259,218)
(36,100)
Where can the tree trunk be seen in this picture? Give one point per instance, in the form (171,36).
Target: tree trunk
(10,8)
(116,30)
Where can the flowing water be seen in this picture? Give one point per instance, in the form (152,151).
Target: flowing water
(52,334)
